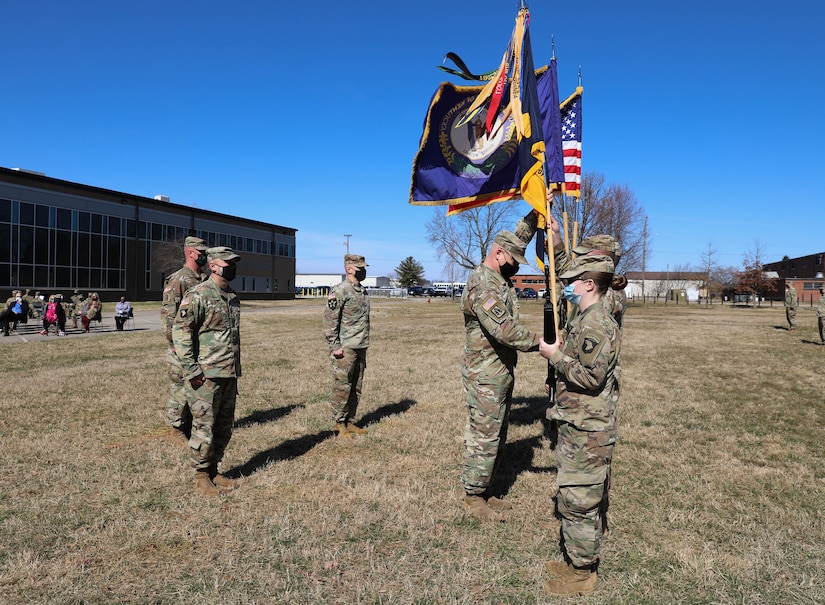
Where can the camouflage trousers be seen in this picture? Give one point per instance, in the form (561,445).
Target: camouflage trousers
(178,413)
(485,431)
(213,414)
(821,323)
(347,379)
(790,313)
(583,459)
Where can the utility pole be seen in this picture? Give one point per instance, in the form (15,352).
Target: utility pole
(346,243)
(644,258)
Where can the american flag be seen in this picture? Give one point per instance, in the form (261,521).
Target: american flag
(571,142)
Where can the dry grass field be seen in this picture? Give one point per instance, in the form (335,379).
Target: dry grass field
(719,474)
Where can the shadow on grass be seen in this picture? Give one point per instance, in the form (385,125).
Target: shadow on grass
(517,457)
(811,342)
(289,450)
(261,417)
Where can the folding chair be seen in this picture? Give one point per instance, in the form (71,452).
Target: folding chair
(131,318)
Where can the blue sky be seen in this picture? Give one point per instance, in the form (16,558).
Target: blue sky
(308,115)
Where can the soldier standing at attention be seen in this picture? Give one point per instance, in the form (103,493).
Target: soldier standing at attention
(585,357)
(820,315)
(206,336)
(791,303)
(177,413)
(493,338)
(347,330)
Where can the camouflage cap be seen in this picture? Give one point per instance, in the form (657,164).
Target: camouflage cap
(582,264)
(606,243)
(222,253)
(194,242)
(513,244)
(355,259)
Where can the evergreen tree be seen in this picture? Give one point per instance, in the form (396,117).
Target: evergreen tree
(410,272)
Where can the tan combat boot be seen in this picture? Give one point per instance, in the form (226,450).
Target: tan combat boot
(574,582)
(355,429)
(222,482)
(478,508)
(204,484)
(341,429)
(498,505)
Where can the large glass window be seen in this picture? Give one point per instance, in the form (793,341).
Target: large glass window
(26,214)
(41,215)
(5,211)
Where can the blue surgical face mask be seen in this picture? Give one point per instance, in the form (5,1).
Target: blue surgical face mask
(570,295)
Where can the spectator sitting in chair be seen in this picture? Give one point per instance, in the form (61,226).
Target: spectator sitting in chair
(93,311)
(55,315)
(123,311)
(17,310)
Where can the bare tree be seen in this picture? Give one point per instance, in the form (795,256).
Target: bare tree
(464,239)
(752,279)
(709,263)
(612,210)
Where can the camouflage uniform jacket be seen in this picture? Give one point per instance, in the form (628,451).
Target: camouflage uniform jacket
(491,326)
(588,372)
(791,299)
(347,317)
(173,290)
(206,333)
(820,307)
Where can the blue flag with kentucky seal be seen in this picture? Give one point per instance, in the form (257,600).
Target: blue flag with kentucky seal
(465,164)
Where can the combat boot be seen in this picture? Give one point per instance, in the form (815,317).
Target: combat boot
(478,508)
(559,569)
(341,429)
(577,581)
(222,482)
(204,484)
(355,429)
(498,505)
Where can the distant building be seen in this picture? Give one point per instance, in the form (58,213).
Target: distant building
(57,236)
(804,267)
(684,285)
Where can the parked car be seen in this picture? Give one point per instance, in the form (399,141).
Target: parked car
(542,293)
(518,292)
(415,290)
(529,293)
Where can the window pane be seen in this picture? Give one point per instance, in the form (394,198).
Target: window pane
(63,248)
(83,277)
(5,275)
(96,252)
(26,243)
(5,210)
(62,277)
(157,232)
(114,253)
(113,280)
(97,223)
(83,221)
(41,246)
(83,252)
(64,218)
(25,278)
(41,276)
(26,213)
(41,215)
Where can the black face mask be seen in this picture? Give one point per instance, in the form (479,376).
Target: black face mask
(508,270)
(201,260)
(228,272)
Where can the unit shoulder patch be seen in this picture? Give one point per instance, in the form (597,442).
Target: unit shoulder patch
(493,307)
(332,302)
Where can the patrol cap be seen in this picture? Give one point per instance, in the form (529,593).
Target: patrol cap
(355,259)
(222,253)
(582,264)
(607,243)
(513,244)
(194,242)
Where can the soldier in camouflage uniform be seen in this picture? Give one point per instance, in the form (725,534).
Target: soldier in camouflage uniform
(347,331)
(820,315)
(177,411)
(206,336)
(586,360)
(493,337)
(76,307)
(791,303)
